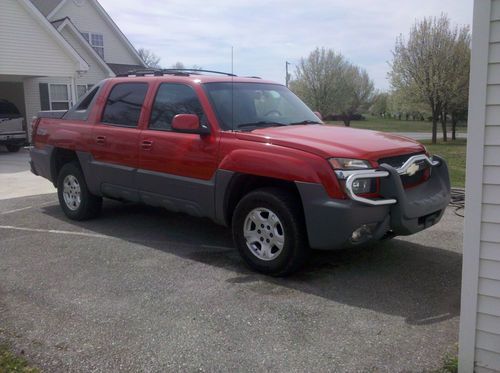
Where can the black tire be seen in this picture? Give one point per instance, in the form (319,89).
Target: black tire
(286,206)
(13,148)
(89,206)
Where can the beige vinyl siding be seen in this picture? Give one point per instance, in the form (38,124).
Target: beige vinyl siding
(87,19)
(487,353)
(96,72)
(27,47)
(32,93)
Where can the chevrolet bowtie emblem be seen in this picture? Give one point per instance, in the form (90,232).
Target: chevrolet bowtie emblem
(413,169)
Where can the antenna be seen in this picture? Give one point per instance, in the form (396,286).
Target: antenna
(232,88)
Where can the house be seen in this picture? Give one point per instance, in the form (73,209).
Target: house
(479,342)
(53,51)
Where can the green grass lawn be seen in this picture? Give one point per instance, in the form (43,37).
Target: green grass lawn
(394,125)
(10,363)
(454,153)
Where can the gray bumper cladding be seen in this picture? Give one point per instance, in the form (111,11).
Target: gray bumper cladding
(331,222)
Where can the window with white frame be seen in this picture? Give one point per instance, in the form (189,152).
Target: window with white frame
(59,96)
(81,89)
(96,41)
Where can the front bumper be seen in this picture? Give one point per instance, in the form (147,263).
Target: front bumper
(331,222)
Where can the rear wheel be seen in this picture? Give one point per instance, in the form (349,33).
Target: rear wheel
(75,199)
(13,148)
(268,230)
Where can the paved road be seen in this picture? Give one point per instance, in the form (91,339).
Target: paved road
(425,135)
(141,289)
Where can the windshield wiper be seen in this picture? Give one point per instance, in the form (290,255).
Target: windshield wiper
(261,123)
(305,122)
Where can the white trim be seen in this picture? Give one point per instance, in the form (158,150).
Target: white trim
(69,90)
(113,25)
(67,23)
(82,65)
(56,9)
(474,184)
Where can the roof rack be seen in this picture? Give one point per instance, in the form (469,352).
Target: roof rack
(181,72)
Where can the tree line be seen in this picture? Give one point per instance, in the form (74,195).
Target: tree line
(429,79)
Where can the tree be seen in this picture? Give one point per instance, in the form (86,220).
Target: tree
(459,97)
(329,83)
(425,67)
(150,59)
(178,65)
(380,104)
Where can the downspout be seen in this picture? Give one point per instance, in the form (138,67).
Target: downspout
(73,89)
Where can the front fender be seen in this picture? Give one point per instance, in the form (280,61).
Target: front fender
(277,166)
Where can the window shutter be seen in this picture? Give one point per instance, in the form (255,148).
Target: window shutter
(44,96)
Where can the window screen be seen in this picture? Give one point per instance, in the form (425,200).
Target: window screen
(124,103)
(59,97)
(172,99)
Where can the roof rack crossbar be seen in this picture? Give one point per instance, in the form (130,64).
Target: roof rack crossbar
(160,72)
(196,71)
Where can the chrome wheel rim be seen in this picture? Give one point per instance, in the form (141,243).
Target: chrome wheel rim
(72,192)
(264,234)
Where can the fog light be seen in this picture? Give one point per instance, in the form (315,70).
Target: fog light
(361,233)
(361,186)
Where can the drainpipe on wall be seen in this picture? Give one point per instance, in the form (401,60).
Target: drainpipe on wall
(73,90)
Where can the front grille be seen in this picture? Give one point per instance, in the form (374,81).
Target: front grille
(407,180)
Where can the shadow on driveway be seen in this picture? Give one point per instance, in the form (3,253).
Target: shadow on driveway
(419,283)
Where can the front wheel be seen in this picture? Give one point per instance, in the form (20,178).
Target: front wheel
(268,230)
(75,199)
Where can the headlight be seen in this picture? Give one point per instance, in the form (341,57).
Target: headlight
(349,164)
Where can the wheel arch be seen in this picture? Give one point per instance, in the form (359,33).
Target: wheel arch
(59,157)
(240,184)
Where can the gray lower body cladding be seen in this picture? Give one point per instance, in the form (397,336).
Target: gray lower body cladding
(331,222)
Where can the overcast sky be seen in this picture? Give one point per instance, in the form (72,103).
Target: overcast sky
(266,33)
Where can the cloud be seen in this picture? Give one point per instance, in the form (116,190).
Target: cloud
(266,33)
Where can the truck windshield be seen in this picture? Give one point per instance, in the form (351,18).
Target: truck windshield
(8,110)
(247,106)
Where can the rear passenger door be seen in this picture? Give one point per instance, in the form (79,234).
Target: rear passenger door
(115,139)
(177,169)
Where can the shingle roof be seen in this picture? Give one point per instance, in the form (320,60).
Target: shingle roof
(119,68)
(58,22)
(46,6)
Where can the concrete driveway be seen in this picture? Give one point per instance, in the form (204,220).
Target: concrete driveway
(144,290)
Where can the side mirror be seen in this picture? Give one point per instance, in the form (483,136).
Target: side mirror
(189,123)
(318,114)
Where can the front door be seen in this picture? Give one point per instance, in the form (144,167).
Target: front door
(177,169)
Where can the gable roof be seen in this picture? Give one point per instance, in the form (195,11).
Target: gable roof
(50,7)
(32,10)
(120,34)
(66,22)
(46,7)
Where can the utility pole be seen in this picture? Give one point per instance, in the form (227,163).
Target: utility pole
(287,76)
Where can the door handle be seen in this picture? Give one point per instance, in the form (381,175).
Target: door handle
(146,144)
(101,140)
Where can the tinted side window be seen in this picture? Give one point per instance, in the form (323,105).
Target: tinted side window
(172,99)
(124,103)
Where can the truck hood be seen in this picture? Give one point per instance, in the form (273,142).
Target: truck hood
(332,141)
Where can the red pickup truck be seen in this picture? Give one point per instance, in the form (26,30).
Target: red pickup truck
(244,152)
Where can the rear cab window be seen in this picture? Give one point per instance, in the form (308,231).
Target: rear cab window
(124,104)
